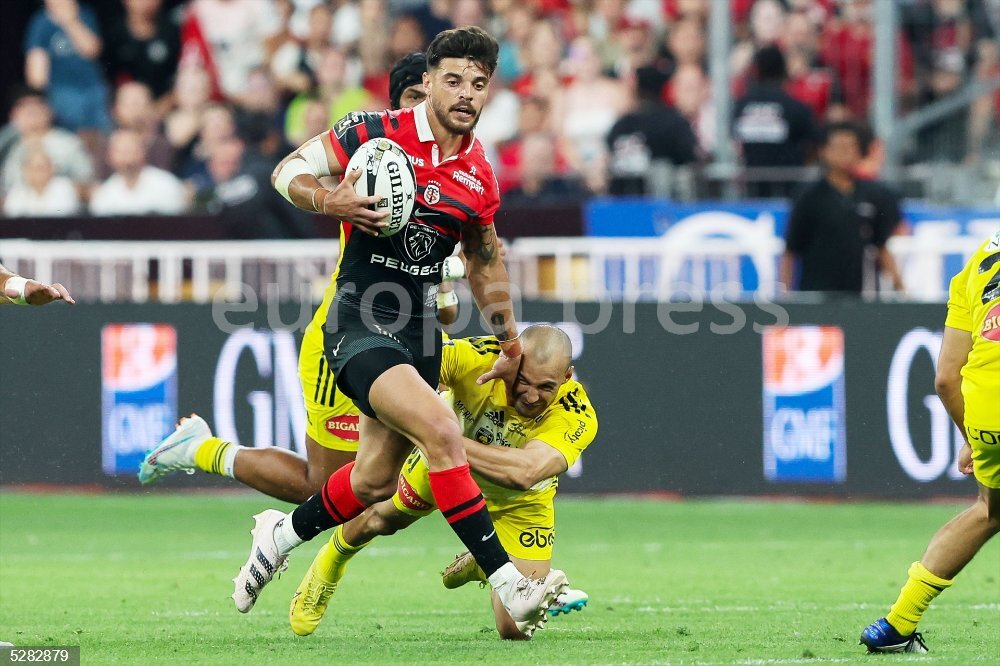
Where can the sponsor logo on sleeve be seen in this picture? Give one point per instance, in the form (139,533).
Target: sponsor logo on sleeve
(991,325)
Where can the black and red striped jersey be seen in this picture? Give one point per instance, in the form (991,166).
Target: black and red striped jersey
(450,193)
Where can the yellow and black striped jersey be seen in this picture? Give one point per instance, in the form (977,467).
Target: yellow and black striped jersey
(974,306)
(568,425)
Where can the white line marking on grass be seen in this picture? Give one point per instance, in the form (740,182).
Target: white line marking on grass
(785,606)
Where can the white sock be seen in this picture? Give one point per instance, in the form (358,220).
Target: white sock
(285,537)
(504,575)
(229,461)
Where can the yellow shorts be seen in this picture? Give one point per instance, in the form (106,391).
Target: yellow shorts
(331,417)
(985,455)
(526,528)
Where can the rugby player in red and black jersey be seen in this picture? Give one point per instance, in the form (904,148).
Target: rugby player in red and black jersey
(380,339)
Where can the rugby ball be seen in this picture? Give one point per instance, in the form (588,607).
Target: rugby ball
(387,174)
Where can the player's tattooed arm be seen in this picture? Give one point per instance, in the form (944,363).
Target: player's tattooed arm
(479,243)
(490,286)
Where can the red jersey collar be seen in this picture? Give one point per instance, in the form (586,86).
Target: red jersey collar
(425,134)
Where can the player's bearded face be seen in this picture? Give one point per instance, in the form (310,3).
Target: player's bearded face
(457,92)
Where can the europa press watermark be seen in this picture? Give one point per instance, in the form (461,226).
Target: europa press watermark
(240,306)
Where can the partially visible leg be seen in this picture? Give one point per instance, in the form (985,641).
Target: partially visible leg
(951,548)
(311,598)
(346,493)
(432,426)
(505,625)
(284,474)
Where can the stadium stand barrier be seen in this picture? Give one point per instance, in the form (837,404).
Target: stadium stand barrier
(725,255)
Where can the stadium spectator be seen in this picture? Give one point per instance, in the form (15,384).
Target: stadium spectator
(234,32)
(767,21)
(293,64)
(773,128)
(405,36)
(847,46)
(540,184)
(31,121)
(633,45)
(814,87)
(685,44)
(541,61)
(518,20)
(984,116)
(373,17)
(40,193)
(136,188)
(589,106)
(192,92)
(652,132)
(533,118)
(315,119)
(143,46)
(259,118)
(334,88)
(467,12)
(285,32)
(134,110)
(346,23)
(691,95)
(241,194)
(62,46)
(945,38)
(217,126)
(836,221)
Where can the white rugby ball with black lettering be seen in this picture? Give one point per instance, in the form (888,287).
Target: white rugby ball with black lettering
(388,175)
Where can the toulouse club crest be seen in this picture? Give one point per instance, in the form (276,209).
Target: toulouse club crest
(432,193)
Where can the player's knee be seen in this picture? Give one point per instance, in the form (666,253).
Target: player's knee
(378,525)
(314,481)
(442,435)
(372,491)
(991,513)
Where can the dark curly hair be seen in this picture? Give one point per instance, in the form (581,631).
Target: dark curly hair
(467,42)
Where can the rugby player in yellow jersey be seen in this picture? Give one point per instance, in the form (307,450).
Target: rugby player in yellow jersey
(968,382)
(517,447)
(331,436)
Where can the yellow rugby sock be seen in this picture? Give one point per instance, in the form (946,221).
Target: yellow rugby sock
(917,594)
(216,457)
(343,551)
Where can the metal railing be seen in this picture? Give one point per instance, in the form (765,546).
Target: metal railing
(175,271)
(670,267)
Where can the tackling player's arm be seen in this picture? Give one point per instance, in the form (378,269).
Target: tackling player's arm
(518,469)
(297,179)
(490,286)
(17,290)
(955,348)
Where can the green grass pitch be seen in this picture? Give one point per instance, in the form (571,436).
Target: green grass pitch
(145,579)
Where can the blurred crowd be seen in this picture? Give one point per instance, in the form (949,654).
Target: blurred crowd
(169,106)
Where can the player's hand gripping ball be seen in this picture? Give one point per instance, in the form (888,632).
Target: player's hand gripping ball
(387,174)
